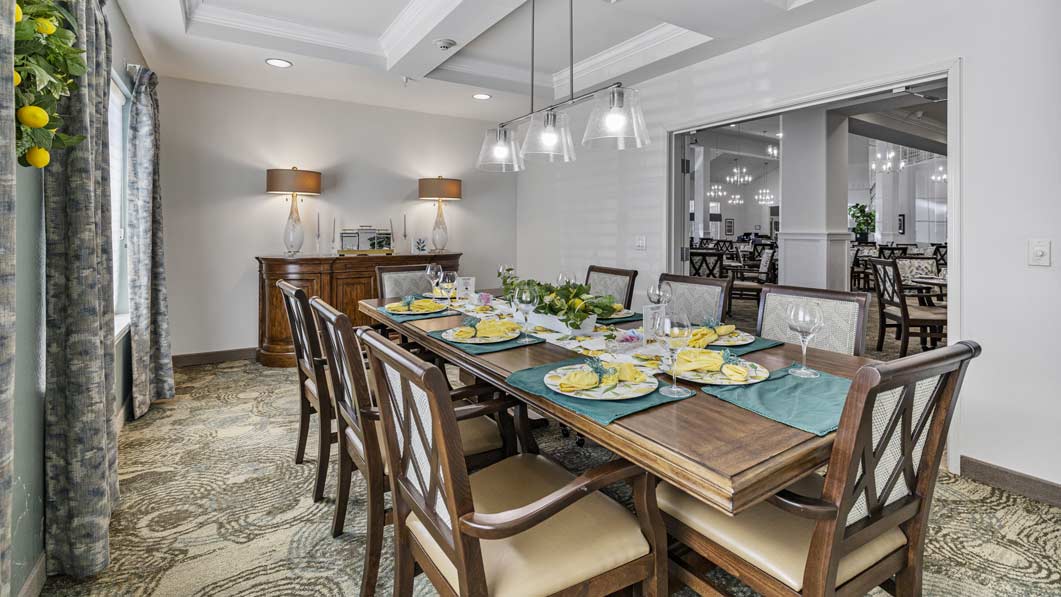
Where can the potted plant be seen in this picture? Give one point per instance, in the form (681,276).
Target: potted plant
(864,219)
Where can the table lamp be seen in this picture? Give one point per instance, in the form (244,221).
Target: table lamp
(439,190)
(296,182)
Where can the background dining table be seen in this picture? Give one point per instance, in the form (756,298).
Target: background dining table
(729,457)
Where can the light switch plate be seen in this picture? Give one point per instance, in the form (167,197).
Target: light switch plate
(640,243)
(1039,252)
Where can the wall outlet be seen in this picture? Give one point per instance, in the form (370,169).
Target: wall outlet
(640,243)
(1039,252)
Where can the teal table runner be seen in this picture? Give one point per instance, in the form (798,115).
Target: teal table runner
(628,318)
(602,411)
(487,348)
(759,344)
(405,318)
(812,405)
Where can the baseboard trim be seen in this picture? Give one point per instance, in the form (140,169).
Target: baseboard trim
(1003,478)
(35,581)
(217,356)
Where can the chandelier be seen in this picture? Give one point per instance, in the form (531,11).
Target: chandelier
(771,149)
(616,121)
(716,192)
(886,163)
(735,199)
(764,197)
(940,175)
(740,176)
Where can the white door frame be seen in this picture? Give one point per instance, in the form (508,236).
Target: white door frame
(951,70)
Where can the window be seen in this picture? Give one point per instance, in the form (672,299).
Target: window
(118,124)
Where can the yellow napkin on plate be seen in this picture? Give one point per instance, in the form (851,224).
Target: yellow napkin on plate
(424,306)
(648,360)
(397,308)
(618,308)
(725,330)
(735,372)
(696,359)
(464,333)
(590,353)
(493,328)
(702,337)
(627,372)
(579,379)
(483,309)
(438,292)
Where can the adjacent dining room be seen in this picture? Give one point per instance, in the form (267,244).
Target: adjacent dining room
(529,298)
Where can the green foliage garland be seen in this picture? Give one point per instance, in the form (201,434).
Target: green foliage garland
(47,63)
(572,303)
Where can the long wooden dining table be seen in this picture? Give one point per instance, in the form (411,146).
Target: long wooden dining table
(729,457)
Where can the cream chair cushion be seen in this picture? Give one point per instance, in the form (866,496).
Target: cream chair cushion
(775,541)
(591,537)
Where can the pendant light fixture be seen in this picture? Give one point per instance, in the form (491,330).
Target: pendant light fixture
(616,122)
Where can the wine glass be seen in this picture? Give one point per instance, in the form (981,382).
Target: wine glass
(434,275)
(805,319)
(526,299)
(563,279)
(448,283)
(659,293)
(674,330)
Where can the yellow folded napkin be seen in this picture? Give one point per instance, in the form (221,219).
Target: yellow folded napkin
(590,353)
(627,372)
(725,330)
(735,372)
(580,379)
(696,359)
(702,337)
(494,328)
(464,333)
(649,360)
(618,308)
(424,305)
(397,308)
(483,309)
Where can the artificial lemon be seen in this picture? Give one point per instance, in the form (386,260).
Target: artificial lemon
(18,13)
(32,116)
(38,157)
(18,79)
(45,26)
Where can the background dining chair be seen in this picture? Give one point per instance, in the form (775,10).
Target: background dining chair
(747,283)
(397,281)
(927,322)
(619,283)
(861,526)
(523,526)
(940,253)
(702,299)
(312,382)
(891,252)
(844,329)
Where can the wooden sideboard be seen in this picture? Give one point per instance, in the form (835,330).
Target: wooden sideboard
(339,280)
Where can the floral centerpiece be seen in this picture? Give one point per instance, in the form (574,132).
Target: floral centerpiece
(573,305)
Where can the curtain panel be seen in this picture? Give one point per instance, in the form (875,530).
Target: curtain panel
(148,308)
(80,433)
(7,290)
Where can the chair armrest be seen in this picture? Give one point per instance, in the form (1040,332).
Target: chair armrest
(473,391)
(512,522)
(370,414)
(803,506)
(486,407)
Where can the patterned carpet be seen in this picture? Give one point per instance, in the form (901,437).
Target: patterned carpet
(213,504)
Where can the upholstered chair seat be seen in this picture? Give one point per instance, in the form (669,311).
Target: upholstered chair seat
(775,541)
(591,537)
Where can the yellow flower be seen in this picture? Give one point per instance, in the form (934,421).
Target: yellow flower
(38,157)
(45,26)
(18,13)
(18,79)
(32,116)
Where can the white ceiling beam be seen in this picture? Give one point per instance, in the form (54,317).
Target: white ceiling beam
(719,19)
(409,41)
(491,75)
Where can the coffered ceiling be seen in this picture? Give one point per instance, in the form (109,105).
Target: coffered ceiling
(388,52)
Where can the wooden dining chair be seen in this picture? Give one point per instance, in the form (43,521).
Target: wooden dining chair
(310,364)
(891,252)
(702,299)
(747,283)
(861,526)
(940,253)
(619,283)
(523,526)
(927,322)
(844,328)
(360,434)
(397,281)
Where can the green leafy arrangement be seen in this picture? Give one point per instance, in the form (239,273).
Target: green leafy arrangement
(865,220)
(572,303)
(509,279)
(46,66)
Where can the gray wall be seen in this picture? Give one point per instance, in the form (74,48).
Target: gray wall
(217,142)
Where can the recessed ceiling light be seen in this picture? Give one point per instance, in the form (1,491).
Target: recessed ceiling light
(482,96)
(279,62)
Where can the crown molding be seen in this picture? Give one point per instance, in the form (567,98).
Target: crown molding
(659,42)
(413,23)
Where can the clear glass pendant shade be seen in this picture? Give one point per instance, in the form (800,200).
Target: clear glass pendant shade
(617,121)
(549,138)
(500,152)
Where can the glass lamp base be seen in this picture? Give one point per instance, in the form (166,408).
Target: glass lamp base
(803,372)
(676,392)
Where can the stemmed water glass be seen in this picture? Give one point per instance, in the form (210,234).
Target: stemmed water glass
(805,319)
(434,275)
(674,329)
(448,283)
(563,279)
(526,300)
(659,293)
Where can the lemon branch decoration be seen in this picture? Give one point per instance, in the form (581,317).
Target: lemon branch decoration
(572,303)
(46,66)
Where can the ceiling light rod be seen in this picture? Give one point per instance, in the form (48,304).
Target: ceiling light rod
(567,102)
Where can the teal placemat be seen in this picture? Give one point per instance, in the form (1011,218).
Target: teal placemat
(812,405)
(628,318)
(405,318)
(759,344)
(487,348)
(602,411)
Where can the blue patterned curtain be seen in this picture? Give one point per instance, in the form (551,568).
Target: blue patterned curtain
(148,308)
(7,288)
(81,456)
